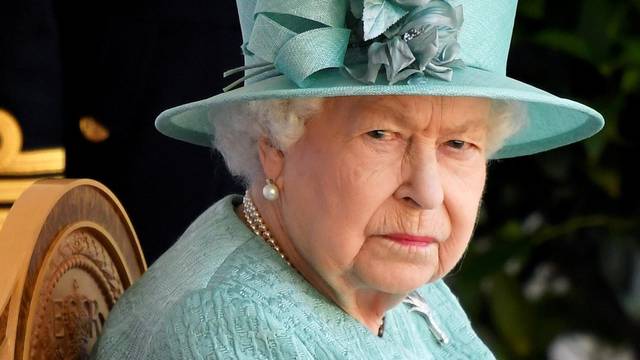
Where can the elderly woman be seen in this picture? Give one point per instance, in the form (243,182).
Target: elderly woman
(363,133)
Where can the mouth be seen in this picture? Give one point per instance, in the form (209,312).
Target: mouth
(410,240)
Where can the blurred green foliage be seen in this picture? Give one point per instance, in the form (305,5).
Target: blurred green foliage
(557,247)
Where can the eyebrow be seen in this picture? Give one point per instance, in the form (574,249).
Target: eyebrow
(364,117)
(398,117)
(471,124)
(391,114)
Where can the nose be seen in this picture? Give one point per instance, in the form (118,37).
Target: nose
(422,184)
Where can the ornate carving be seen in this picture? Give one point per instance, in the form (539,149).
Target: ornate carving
(78,288)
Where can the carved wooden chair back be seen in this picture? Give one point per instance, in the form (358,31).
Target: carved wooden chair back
(67,252)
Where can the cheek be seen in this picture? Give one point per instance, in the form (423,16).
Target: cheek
(462,200)
(364,182)
(331,201)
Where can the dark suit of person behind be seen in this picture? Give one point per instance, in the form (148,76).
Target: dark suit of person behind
(94,76)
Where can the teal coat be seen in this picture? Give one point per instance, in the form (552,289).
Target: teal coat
(222,293)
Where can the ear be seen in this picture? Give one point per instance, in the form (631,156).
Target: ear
(271,158)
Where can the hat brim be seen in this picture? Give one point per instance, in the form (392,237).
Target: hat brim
(552,121)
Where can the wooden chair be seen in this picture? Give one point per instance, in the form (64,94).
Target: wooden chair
(67,253)
(20,168)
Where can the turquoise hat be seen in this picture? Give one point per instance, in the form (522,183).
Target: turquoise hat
(327,48)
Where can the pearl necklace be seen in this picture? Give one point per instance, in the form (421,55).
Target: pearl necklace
(258,226)
(253,218)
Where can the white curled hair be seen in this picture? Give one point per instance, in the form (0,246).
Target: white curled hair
(236,137)
(506,119)
(283,121)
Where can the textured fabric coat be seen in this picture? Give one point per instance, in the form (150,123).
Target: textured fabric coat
(222,293)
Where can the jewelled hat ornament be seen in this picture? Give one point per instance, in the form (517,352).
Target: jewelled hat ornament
(326,48)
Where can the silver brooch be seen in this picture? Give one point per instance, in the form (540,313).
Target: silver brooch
(418,304)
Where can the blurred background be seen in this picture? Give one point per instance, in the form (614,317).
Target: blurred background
(554,268)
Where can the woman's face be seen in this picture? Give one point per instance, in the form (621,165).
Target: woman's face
(373,177)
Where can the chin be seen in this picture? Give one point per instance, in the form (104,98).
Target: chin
(395,278)
(390,268)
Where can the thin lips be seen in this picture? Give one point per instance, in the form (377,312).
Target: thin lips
(412,238)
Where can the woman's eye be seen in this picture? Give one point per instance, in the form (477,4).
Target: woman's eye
(379,134)
(457,144)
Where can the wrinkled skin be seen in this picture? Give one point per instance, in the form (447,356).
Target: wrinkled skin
(371,166)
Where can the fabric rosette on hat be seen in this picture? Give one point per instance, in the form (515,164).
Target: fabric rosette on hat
(407,38)
(328,48)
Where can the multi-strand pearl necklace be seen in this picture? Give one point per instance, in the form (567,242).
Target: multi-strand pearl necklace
(253,218)
(258,226)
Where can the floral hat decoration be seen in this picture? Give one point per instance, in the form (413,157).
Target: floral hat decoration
(326,48)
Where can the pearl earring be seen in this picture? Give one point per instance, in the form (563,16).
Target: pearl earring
(270,191)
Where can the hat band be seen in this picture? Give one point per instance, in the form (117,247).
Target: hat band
(298,38)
